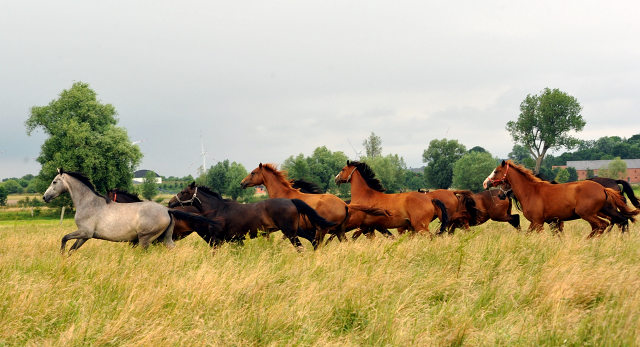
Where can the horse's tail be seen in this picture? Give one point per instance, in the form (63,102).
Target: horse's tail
(444,220)
(314,218)
(627,189)
(374,211)
(194,218)
(618,201)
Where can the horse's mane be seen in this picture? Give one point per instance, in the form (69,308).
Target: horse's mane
(132,196)
(215,195)
(87,182)
(368,175)
(306,186)
(526,172)
(280,175)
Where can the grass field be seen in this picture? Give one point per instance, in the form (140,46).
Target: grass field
(491,286)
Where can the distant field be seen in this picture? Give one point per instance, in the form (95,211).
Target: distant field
(491,286)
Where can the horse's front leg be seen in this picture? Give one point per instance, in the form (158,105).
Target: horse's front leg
(78,234)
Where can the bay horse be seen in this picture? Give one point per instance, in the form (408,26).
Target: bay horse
(239,219)
(459,205)
(542,201)
(409,211)
(97,217)
(182,227)
(489,205)
(614,184)
(329,206)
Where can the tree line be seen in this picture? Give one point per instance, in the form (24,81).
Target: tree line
(83,136)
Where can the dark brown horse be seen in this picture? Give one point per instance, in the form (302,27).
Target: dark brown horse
(615,185)
(329,206)
(239,219)
(181,229)
(542,201)
(409,211)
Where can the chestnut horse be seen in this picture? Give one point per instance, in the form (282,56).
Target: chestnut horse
(457,202)
(411,210)
(542,201)
(329,206)
(181,229)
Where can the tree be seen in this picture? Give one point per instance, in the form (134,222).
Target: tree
(390,170)
(320,168)
(477,149)
(12,187)
(149,188)
(545,121)
(616,169)
(562,176)
(573,174)
(373,146)
(590,173)
(471,170)
(3,196)
(519,153)
(83,136)
(440,157)
(235,174)
(217,178)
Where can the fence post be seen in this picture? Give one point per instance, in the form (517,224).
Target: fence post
(62,215)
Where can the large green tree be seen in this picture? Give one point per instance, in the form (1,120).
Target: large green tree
(545,121)
(149,187)
(319,168)
(440,158)
(472,169)
(3,196)
(390,170)
(225,178)
(83,136)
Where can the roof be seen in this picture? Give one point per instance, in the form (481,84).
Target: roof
(142,173)
(596,164)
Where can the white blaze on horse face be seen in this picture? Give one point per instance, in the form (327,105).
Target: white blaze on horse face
(485,184)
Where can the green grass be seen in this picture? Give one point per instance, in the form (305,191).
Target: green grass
(491,286)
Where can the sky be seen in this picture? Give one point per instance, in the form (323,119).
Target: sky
(260,81)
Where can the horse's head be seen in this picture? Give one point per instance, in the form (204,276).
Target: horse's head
(344,176)
(254,178)
(505,191)
(497,177)
(187,196)
(57,187)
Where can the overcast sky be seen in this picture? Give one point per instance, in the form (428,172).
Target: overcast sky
(264,80)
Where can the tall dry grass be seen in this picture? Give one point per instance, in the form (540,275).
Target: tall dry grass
(491,286)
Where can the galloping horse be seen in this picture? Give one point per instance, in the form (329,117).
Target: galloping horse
(182,227)
(614,184)
(329,206)
(411,210)
(97,217)
(489,205)
(239,219)
(458,204)
(542,201)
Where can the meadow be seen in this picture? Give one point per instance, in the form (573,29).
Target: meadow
(491,286)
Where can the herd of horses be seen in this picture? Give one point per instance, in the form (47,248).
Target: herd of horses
(300,209)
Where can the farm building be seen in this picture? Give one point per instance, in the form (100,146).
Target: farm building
(138,176)
(633,168)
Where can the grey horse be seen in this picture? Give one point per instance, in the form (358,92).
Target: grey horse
(98,217)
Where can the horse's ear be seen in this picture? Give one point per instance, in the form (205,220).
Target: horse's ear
(60,171)
(348,162)
(503,163)
(193,184)
(260,166)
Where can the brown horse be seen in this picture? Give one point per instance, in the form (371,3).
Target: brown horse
(457,202)
(489,205)
(329,206)
(615,185)
(542,201)
(412,210)
(239,220)
(181,229)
